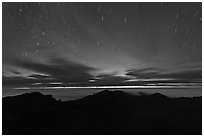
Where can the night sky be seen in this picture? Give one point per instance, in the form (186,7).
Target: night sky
(101,44)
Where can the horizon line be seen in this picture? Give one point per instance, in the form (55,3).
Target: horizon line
(107,87)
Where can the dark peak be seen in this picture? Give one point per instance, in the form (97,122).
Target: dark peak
(107,95)
(105,98)
(143,94)
(33,96)
(109,92)
(106,91)
(158,95)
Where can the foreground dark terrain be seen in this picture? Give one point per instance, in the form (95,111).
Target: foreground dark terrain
(106,112)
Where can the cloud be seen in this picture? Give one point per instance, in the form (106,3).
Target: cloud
(37,76)
(110,80)
(153,73)
(144,73)
(187,75)
(71,73)
(16,72)
(58,68)
(20,81)
(15,81)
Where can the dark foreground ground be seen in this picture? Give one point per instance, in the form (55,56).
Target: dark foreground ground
(106,112)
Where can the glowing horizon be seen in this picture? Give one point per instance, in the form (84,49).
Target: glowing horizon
(107,87)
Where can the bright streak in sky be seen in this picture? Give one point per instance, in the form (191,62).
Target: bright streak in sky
(108,87)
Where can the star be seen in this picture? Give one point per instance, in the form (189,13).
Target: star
(177,15)
(102,18)
(125,20)
(175,30)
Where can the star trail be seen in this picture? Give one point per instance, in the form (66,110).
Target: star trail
(101,44)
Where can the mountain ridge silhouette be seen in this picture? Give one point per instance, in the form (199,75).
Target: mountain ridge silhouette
(103,113)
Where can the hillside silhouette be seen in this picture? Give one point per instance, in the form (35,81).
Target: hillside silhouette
(104,113)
